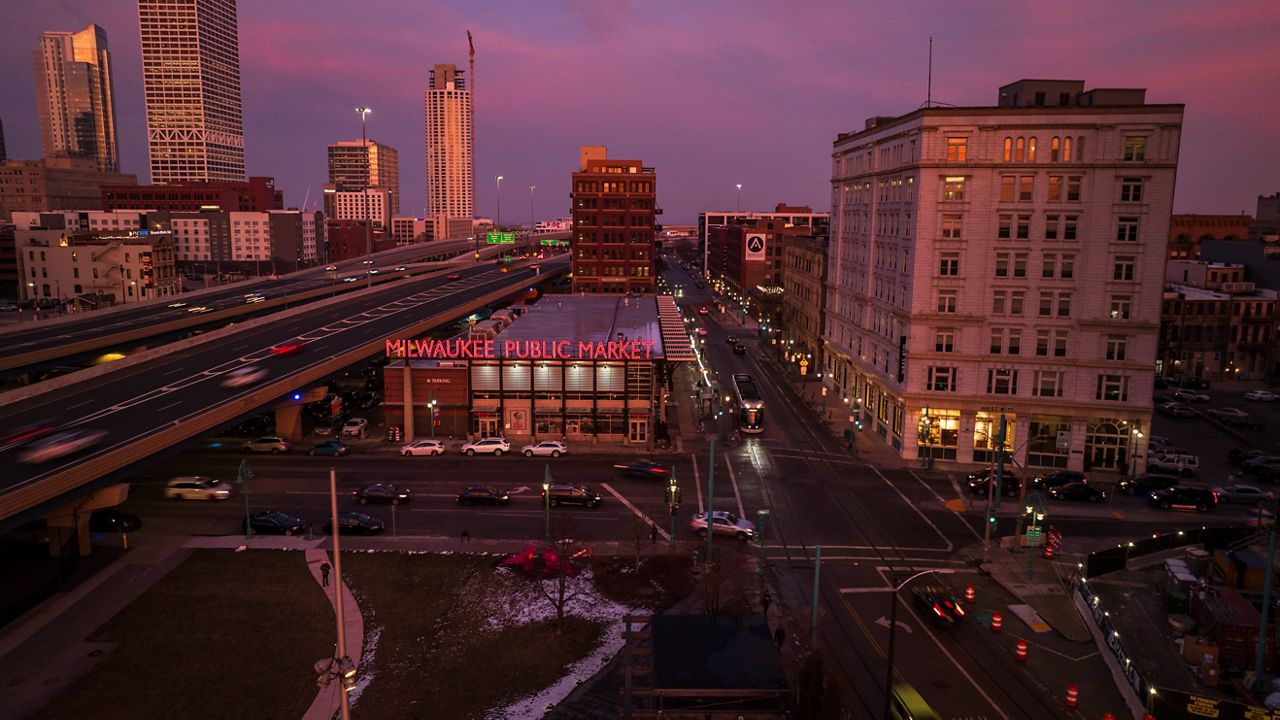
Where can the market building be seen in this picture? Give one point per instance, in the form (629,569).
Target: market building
(592,368)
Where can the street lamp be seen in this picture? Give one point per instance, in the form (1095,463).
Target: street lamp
(893,626)
(497,221)
(546,506)
(1035,513)
(368,175)
(532,244)
(739,209)
(432,405)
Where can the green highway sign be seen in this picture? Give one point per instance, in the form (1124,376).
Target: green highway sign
(501,238)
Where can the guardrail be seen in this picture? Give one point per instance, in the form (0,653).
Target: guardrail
(34,494)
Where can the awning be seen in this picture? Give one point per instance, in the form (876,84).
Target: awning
(675,337)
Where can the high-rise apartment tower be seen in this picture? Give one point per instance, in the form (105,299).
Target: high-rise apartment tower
(191,76)
(354,167)
(451,187)
(74,97)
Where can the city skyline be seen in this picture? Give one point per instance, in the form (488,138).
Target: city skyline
(711,99)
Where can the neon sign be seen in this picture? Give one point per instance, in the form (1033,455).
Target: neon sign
(431,349)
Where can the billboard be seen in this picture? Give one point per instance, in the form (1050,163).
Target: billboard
(755,246)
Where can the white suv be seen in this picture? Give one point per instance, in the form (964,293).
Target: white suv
(197,488)
(493,445)
(1180,463)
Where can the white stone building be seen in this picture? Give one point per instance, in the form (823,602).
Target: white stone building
(1004,260)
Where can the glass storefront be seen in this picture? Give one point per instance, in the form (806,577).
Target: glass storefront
(939,434)
(1106,445)
(986,431)
(1050,442)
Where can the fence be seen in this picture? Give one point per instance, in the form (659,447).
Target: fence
(1113,559)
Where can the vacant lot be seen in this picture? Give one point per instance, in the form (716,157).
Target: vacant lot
(225,635)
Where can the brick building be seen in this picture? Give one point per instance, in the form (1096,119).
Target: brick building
(257,194)
(614,205)
(804,296)
(1187,232)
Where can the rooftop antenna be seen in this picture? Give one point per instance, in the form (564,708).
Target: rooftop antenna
(928,98)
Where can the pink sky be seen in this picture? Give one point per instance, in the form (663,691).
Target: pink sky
(710,93)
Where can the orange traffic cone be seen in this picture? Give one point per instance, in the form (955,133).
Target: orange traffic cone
(1073,696)
(1048,551)
(997,622)
(969,594)
(1020,653)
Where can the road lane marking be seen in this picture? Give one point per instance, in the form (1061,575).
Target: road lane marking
(912,505)
(959,514)
(697,483)
(86,402)
(733,480)
(648,520)
(175,370)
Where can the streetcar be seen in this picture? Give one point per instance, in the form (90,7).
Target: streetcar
(750,404)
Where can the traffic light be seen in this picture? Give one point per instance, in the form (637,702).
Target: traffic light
(991,518)
(857,424)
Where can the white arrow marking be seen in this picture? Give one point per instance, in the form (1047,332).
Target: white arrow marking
(884,623)
(517,491)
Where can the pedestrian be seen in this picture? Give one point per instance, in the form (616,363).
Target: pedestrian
(324,573)
(779,635)
(466,536)
(765,600)
(653,534)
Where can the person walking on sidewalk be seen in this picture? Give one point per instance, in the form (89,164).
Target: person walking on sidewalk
(324,573)
(653,534)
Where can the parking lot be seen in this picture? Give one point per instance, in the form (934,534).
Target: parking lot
(1212,440)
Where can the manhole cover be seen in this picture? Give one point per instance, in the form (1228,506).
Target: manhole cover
(95,653)
(940,685)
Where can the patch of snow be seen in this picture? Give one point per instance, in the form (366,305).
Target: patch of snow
(517,600)
(365,675)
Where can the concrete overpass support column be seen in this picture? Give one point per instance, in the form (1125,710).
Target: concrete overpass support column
(407,383)
(64,529)
(289,422)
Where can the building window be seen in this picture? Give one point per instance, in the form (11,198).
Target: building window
(952,223)
(1069,224)
(1026,184)
(1002,381)
(1116,347)
(1002,264)
(1131,189)
(1055,146)
(1008,302)
(1127,230)
(1051,223)
(1073,188)
(944,340)
(1135,149)
(942,379)
(1008,149)
(1113,387)
(1024,227)
(1066,149)
(1049,298)
(949,264)
(953,189)
(957,149)
(1049,267)
(1020,265)
(1048,340)
(1120,306)
(1068,267)
(1006,340)
(1055,188)
(1018,147)
(1031,150)
(1007,187)
(1005,228)
(1122,269)
(1048,383)
(947,300)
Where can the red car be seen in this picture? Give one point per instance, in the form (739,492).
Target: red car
(453,277)
(703,310)
(286,349)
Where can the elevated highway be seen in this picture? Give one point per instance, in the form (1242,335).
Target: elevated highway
(48,341)
(149,405)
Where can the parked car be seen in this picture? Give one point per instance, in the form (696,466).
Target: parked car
(1261,396)
(1191,396)
(483,495)
(1244,494)
(938,605)
(381,492)
(1144,484)
(1235,418)
(554,448)
(979,482)
(1180,463)
(643,469)
(331,448)
(113,520)
(1057,479)
(723,522)
(1079,492)
(559,494)
(196,487)
(491,445)
(355,427)
(355,523)
(1235,456)
(1185,498)
(247,375)
(276,523)
(1178,410)
(61,444)
(423,447)
(273,444)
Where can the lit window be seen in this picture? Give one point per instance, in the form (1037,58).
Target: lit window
(957,149)
(1135,149)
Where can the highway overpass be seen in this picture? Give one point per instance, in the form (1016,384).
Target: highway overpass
(149,404)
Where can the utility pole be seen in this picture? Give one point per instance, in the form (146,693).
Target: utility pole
(813,612)
(1260,652)
(337,590)
(711,499)
(368,175)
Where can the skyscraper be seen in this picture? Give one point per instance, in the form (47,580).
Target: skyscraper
(191,76)
(74,97)
(451,188)
(356,168)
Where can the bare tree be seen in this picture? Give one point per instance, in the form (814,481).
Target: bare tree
(555,585)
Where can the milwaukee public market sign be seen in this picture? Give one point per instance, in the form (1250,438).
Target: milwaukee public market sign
(430,349)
